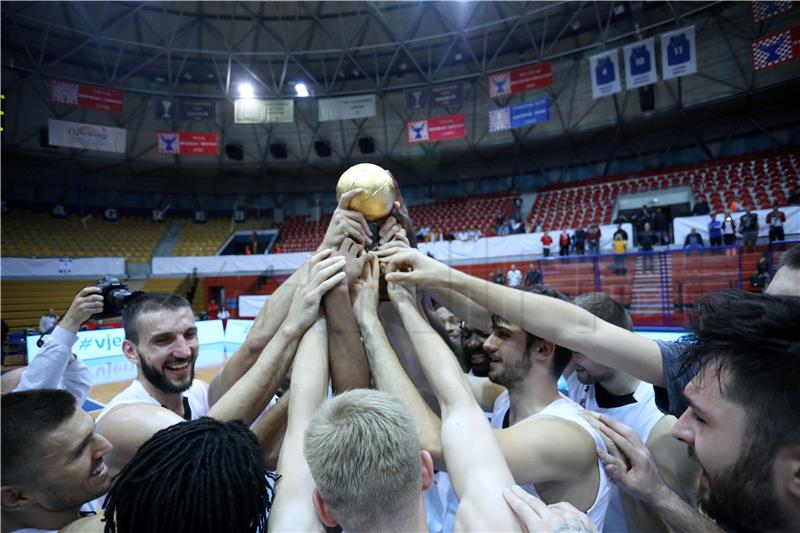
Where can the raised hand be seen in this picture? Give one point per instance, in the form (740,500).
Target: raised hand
(366,291)
(412,266)
(346,223)
(322,275)
(392,232)
(627,460)
(87,302)
(536,516)
(355,256)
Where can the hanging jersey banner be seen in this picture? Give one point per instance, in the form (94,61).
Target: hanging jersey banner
(604,70)
(347,107)
(764,9)
(86,96)
(640,63)
(776,49)
(678,53)
(251,111)
(519,115)
(521,79)
(436,129)
(86,136)
(187,143)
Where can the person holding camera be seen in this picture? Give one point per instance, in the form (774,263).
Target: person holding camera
(55,366)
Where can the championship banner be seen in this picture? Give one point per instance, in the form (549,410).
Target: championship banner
(188,109)
(519,115)
(252,111)
(775,49)
(436,129)
(187,143)
(521,79)
(448,95)
(764,9)
(86,136)
(347,107)
(678,53)
(640,63)
(86,96)
(604,70)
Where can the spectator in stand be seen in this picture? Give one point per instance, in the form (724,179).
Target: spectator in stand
(621,232)
(736,205)
(422,233)
(593,235)
(579,239)
(701,206)
(48,321)
(517,226)
(224,314)
(621,219)
(693,241)
(620,246)
(645,216)
(212,309)
(475,233)
(729,233)
(661,226)
(794,198)
(547,241)
(563,243)
(714,232)
(761,278)
(247,250)
(646,241)
(514,277)
(498,277)
(533,277)
(748,226)
(775,220)
(439,234)
(504,228)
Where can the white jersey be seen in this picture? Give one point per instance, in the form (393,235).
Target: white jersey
(196,397)
(568,410)
(637,410)
(87,509)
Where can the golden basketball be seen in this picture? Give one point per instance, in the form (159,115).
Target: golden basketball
(379,194)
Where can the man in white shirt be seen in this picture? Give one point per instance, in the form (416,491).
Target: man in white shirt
(513,277)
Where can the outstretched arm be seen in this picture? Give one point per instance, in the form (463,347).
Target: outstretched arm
(292,508)
(560,322)
(466,433)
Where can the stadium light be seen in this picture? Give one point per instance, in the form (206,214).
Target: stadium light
(246,90)
(301,90)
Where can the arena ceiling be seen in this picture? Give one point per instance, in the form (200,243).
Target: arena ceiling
(206,49)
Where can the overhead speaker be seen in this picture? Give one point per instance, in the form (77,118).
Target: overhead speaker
(234,152)
(366,145)
(647,98)
(323,148)
(278,150)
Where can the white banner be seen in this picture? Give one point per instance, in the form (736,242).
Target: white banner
(236,330)
(604,70)
(683,226)
(251,111)
(101,343)
(63,268)
(347,107)
(251,304)
(86,136)
(640,63)
(678,53)
(226,264)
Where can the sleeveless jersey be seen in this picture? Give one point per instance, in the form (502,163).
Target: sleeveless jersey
(196,397)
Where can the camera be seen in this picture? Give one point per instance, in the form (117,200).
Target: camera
(115,294)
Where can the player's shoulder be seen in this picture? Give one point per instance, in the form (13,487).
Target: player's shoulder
(90,524)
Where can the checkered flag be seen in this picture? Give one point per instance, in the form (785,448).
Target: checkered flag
(772,50)
(764,9)
(499,119)
(64,92)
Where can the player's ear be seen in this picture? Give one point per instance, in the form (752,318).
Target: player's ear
(323,511)
(426,469)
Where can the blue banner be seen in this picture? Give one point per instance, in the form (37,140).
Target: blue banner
(520,115)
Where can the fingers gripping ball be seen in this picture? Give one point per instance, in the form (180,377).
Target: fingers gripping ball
(379,193)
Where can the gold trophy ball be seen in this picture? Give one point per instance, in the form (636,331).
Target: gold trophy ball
(377,199)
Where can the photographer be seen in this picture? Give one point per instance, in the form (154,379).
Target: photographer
(56,367)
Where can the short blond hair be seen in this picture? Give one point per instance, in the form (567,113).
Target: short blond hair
(363,452)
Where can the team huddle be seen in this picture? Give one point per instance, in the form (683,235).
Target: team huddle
(381,390)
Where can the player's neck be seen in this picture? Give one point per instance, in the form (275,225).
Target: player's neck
(39,518)
(620,384)
(170,400)
(531,396)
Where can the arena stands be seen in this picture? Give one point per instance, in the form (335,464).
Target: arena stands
(760,179)
(29,233)
(24,302)
(208,238)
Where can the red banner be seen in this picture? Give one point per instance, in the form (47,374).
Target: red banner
(87,96)
(436,129)
(188,143)
(521,79)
